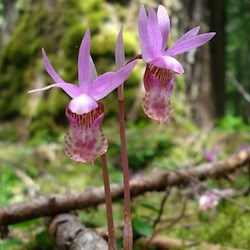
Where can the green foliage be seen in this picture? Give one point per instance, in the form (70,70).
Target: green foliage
(237,51)
(141,147)
(43,240)
(8,183)
(141,227)
(62,175)
(12,244)
(224,227)
(231,123)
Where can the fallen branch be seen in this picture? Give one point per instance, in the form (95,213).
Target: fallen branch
(68,233)
(55,204)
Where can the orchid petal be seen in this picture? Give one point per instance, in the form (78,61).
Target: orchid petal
(189,44)
(84,68)
(100,87)
(158,77)
(119,51)
(164,23)
(157,105)
(154,33)
(143,34)
(191,33)
(71,89)
(109,81)
(82,104)
(168,62)
(83,144)
(49,68)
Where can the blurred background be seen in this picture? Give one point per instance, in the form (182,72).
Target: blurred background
(211,104)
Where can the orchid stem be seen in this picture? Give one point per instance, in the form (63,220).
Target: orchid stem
(127,230)
(108,201)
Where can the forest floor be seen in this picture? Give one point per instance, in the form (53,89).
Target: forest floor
(34,168)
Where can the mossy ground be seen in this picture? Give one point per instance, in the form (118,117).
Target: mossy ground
(52,172)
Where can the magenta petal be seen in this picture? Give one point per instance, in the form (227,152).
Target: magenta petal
(84,67)
(155,77)
(168,62)
(100,87)
(119,51)
(156,104)
(143,34)
(191,33)
(164,23)
(82,104)
(71,89)
(122,74)
(154,34)
(85,141)
(49,68)
(85,145)
(109,81)
(189,44)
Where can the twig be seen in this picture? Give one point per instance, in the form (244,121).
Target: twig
(240,88)
(54,204)
(196,180)
(163,202)
(158,219)
(163,227)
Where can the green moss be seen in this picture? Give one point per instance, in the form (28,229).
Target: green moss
(95,14)
(70,42)
(131,42)
(103,43)
(56,103)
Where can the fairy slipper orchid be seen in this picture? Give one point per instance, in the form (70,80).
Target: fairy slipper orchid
(85,139)
(161,66)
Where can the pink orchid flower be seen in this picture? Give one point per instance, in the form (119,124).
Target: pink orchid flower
(161,65)
(85,139)
(210,199)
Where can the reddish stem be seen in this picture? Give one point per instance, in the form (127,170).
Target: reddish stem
(108,201)
(127,230)
(134,58)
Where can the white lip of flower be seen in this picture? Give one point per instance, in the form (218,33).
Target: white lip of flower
(82,104)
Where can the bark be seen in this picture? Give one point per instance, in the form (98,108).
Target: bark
(54,204)
(217,23)
(9,17)
(192,13)
(69,234)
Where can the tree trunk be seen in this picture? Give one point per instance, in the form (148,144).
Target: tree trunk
(9,17)
(217,23)
(192,13)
